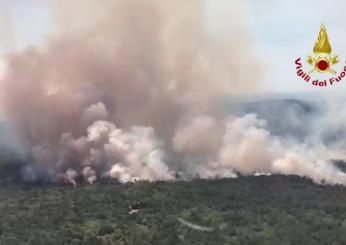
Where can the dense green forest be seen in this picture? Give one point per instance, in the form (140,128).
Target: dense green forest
(247,210)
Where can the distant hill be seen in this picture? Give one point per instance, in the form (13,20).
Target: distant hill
(283,116)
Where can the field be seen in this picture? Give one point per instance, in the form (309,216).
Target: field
(247,210)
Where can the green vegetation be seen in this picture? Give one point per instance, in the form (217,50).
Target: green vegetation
(251,210)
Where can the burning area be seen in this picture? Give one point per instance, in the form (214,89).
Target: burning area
(133,90)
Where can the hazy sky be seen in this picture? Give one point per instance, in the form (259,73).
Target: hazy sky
(281,31)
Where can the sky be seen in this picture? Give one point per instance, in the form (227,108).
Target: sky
(281,31)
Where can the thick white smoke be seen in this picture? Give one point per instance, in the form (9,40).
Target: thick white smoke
(142,66)
(248,148)
(119,88)
(130,155)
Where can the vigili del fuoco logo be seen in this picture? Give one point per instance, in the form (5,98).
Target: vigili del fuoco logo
(321,61)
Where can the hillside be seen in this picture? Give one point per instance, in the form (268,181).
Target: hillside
(247,210)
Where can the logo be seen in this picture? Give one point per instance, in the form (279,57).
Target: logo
(321,62)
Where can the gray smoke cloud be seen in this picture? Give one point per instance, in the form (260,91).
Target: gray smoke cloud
(248,148)
(124,90)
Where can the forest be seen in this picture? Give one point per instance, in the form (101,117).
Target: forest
(246,210)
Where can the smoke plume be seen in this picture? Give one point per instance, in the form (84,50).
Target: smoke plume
(124,90)
(247,148)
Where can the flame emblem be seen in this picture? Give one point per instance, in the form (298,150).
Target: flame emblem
(322,60)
